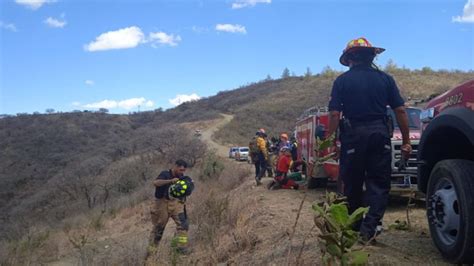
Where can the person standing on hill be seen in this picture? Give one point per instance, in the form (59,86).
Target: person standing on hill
(262,154)
(253,153)
(362,95)
(171,189)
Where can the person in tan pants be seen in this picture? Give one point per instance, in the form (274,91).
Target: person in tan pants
(165,207)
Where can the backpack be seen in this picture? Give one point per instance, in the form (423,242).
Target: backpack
(253,148)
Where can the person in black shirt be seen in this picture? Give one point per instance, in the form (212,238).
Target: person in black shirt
(165,207)
(362,95)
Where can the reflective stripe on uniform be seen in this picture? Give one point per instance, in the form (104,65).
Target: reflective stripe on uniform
(182,239)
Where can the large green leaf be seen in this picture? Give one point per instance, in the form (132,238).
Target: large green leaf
(350,238)
(327,143)
(359,258)
(357,215)
(327,259)
(345,260)
(334,250)
(332,238)
(318,209)
(339,214)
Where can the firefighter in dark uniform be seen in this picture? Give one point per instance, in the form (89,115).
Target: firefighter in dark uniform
(362,95)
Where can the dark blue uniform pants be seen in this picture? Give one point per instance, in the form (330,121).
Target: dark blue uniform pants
(263,166)
(366,159)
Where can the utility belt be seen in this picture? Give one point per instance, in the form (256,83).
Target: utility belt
(347,126)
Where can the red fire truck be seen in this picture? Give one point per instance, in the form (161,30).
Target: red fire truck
(317,119)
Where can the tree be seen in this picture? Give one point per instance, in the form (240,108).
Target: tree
(268,78)
(286,73)
(308,73)
(391,66)
(426,70)
(50,110)
(103,110)
(328,72)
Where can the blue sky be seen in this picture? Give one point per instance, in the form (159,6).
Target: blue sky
(71,54)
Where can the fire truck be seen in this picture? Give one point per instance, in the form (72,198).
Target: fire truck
(446,171)
(315,122)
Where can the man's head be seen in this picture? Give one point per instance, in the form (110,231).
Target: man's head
(284,137)
(180,167)
(359,51)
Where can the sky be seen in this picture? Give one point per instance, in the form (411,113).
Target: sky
(137,55)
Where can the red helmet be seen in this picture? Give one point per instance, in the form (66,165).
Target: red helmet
(357,45)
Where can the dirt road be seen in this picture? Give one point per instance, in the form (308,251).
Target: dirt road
(207,136)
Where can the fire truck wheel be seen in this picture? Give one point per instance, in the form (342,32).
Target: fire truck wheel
(450,209)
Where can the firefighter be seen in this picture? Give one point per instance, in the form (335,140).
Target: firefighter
(362,94)
(262,154)
(171,189)
(253,153)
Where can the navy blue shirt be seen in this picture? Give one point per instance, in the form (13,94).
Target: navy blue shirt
(161,192)
(363,93)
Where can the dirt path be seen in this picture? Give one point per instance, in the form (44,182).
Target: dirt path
(207,136)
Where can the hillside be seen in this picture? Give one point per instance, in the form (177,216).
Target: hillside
(63,171)
(57,167)
(275,104)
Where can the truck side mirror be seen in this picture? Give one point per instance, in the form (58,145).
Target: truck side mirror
(427,115)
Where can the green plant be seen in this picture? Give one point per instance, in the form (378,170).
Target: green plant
(321,145)
(399,225)
(212,166)
(333,220)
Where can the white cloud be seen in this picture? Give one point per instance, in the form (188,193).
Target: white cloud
(127,104)
(199,30)
(149,103)
(467,15)
(181,98)
(34,4)
(76,104)
(163,38)
(249,3)
(232,28)
(8,26)
(89,82)
(120,39)
(55,23)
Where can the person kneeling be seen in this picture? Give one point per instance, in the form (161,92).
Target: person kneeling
(284,164)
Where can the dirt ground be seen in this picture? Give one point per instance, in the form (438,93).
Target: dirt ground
(264,222)
(268,219)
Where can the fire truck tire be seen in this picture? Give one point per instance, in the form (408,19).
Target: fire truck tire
(450,209)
